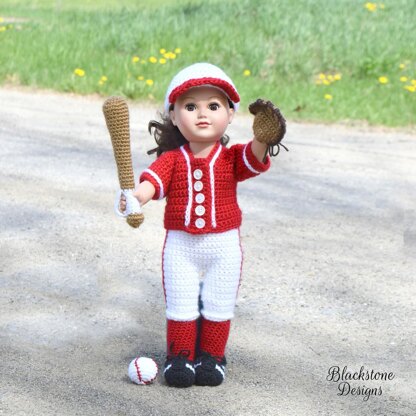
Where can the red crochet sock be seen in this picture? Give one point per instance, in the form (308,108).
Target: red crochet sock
(214,337)
(181,337)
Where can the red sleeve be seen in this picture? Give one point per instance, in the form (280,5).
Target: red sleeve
(159,173)
(246,164)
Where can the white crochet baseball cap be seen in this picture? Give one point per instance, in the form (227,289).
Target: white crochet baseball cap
(197,75)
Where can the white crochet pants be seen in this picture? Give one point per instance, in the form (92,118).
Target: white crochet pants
(214,258)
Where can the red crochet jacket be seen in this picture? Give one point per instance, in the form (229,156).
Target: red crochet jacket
(201,193)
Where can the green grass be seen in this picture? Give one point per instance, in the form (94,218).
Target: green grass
(285,44)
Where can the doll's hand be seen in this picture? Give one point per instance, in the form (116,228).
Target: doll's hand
(269,125)
(122,204)
(127,205)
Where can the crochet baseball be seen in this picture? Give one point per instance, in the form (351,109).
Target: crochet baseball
(142,370)
(116,115)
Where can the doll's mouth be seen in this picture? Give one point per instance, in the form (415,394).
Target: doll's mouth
(203,124)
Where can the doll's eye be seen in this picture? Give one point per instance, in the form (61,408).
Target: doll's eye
(214,106)
(190,107)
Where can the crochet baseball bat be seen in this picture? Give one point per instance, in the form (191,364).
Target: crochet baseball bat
(116,113)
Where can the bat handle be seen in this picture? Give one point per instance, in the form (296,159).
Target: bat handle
(133,212)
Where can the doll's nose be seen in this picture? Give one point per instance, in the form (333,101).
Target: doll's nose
(201,113)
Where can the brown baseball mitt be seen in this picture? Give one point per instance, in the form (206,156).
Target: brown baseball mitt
(269,125)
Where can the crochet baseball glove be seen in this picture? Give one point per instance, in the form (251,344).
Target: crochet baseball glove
(269,125)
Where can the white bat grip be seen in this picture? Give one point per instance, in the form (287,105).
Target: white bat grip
(132,204)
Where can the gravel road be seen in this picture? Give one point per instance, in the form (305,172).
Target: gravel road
(329,237)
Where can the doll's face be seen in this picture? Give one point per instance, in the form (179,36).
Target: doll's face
(202,114)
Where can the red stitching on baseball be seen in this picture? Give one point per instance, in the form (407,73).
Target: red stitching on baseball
(139,375)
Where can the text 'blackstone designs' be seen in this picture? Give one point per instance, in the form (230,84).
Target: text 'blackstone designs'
(349,383)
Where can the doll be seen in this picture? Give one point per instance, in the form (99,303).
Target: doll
(198,176)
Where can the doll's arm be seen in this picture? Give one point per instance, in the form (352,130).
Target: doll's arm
(144,193)
(259,149)
(246,164)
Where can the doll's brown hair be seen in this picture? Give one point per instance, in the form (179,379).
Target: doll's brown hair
(168,136)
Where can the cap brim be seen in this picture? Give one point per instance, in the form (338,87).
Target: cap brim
(225,86)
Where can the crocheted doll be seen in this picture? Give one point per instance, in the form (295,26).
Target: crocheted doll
(198,176)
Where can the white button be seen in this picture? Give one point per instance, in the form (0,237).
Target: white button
(198,185)
(200,210)
(198,174)
(199,198)
(200,223)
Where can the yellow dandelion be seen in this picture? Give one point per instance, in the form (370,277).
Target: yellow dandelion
(371,7)
(328,97)
(2,28)
(1,19)
(411,88)
(178,50)
(322,76)
(402,66)
(140,77)
(383,80)
(330,78)
(169,55)
(246,72)
(149,82)
(337,77)
(413,81)
(135,59)
(403,79)
(152,60)
(162,51)
(104,78)
(79,72)
(326,82)
(162,61)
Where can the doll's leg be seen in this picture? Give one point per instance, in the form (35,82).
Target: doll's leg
(181,286)
(218,296)
(179,366)
(214,337)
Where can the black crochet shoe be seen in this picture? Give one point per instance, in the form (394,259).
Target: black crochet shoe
(179,371)
(209,370)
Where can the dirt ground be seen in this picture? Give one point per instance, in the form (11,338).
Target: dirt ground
(329,238)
